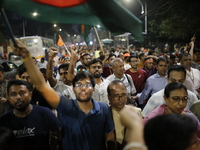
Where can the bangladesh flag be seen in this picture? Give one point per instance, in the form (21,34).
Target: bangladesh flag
(109,14)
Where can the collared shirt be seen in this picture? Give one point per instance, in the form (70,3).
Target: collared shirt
(130,87)
(157,99)
(84,131)
(153,84)
(192,81)
(100,93)
(64,90)
(150,72)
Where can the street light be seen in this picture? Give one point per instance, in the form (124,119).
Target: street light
(35,14)
(142,12)
(55,25)
(145,15)
(98,26)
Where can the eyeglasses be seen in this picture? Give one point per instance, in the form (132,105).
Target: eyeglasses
(64,73)
(134,61)
(117,97)
(78,85)
(177,99)
(87,58)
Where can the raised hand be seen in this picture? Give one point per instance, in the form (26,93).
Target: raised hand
(53,52)
(22,50)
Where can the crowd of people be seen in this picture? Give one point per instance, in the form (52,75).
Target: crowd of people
(122,99)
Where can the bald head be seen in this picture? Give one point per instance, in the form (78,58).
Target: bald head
(113,84)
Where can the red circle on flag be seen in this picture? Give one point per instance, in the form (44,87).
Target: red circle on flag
(62,3)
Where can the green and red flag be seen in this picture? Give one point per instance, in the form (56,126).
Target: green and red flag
(109,14)
(62,3)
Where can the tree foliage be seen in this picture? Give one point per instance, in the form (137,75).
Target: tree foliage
(173,18)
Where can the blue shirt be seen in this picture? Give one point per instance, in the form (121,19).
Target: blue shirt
(81,131)
(153,84)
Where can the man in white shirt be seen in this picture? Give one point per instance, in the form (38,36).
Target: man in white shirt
(42,63)
(176,73)
(100,92)
(118,68)
(192,81)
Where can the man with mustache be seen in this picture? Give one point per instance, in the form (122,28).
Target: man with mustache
(100,92)
(31,124)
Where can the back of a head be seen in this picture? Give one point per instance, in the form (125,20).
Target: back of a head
(169,132)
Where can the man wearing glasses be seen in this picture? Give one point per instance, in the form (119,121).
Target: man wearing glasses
(85,59)
(86,123)
(117,96)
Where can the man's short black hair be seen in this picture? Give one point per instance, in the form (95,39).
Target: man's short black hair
(161,59)
(65,66)
(177,68)
(132,56)
(94,61)
(83,75)
(140,56)
(18,82)
(183,54)
(111,55)
(84,54)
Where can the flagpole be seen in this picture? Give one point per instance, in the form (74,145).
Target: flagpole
(98,38)
(5,19)
(67,50)
(61,43)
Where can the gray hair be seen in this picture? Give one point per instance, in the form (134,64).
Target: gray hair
(116,60)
